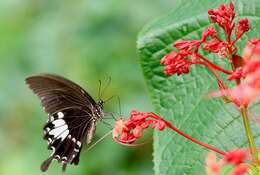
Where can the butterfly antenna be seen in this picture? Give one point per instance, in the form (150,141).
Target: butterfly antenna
(108,83)
(109,114)
(99,89)
(119,103)
(107,125)
(99,140)
(109,99)
(113,117)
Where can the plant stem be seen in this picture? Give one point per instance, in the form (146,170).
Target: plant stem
(249,134)
(169,125)
(213,65)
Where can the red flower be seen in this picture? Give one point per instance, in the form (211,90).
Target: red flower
(187,45)
(128,131)
(243,94)
(236,156)
(213,167)
(224,16)
(175,62)
(242,27)
(240,170)
(216,46)
(210,31)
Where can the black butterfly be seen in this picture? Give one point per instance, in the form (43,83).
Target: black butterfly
(72,112)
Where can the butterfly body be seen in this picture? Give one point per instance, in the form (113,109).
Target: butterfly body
(72,117)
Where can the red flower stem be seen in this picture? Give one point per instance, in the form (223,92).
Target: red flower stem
(169,125)
(233,42)
(213,65)
(220,82)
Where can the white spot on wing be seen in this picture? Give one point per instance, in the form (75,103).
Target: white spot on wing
(58,123)
(57,157)
(51,118)
(57,131)
(63,135)
(60,115)
(49,140)
(78,143)
(53,150)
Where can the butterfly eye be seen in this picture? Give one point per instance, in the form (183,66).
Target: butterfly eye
(100,103)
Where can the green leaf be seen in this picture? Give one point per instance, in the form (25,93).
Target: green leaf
(183,100)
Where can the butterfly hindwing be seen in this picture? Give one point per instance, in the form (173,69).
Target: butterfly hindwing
(72,115)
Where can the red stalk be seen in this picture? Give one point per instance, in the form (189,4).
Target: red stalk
(202,144)
(214,65)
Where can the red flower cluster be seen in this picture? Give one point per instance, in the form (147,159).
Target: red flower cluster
(243,26)
(176,63)
(235,157)
(128,131)
(180,61)
(223,16)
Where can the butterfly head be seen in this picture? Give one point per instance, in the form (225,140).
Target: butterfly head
(100,103)
(99,109)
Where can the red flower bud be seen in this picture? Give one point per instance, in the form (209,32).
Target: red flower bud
(236,156)
(240,170)
(242,27)
(210,31)
(216,46)
(137,132)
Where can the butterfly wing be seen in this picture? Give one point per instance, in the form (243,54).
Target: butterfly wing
(70,109)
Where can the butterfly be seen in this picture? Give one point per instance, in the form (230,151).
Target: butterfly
(72,117)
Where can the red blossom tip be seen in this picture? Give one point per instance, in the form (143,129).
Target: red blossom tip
(236,156)
(128,131)
(242,27)
(176,63)
(187,45)
(224,15)
(210,31)
(216,46)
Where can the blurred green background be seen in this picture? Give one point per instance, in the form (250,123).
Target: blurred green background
(84,41)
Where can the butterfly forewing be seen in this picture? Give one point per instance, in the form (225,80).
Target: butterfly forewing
(72,115)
